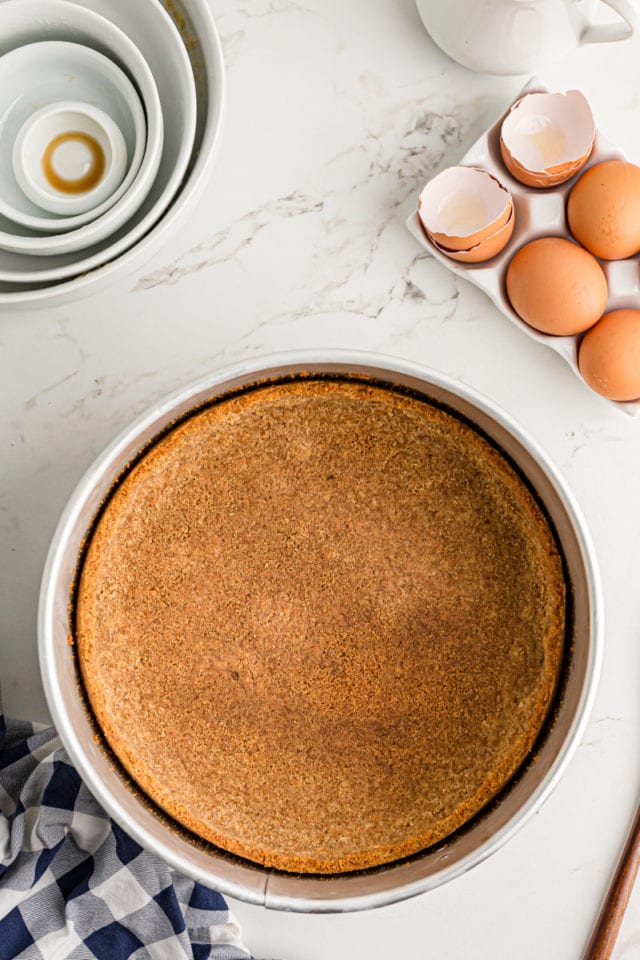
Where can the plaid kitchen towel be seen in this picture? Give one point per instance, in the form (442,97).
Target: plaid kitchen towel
(74,885)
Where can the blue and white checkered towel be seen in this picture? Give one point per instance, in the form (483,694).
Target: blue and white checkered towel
(74,885)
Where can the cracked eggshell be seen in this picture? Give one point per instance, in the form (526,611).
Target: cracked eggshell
(462,209)
(546,138)
(484,250)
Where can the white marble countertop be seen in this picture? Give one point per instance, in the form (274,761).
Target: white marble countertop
(337,113)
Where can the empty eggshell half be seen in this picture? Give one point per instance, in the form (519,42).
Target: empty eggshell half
(465,210)
(546,138)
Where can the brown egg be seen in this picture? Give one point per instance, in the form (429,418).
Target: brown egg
(604,210)
(556,286)
(609,356)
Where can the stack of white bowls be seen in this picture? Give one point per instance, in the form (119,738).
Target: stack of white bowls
(110,115)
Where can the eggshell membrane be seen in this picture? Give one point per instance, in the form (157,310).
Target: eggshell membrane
(484,250)
(556,287)
(561,124)
(609,356)
(604,210)
(464,192)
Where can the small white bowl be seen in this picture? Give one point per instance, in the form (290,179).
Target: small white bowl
(41,74)
(26,281)
(86,154)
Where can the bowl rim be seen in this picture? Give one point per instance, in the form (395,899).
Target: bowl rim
(46,294)
(317,900)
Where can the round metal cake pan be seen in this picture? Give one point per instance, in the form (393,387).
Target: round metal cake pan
(358,891)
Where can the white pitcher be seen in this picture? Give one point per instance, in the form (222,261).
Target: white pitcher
(520,36)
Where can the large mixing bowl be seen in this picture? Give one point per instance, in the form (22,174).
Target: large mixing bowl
(469,846)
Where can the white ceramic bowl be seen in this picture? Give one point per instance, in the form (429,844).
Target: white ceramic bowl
(45,73)
(144,22)
(105,238)
(82,142)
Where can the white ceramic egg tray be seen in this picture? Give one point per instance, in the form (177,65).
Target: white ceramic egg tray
(539,213)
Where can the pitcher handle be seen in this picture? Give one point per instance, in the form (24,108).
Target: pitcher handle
(608,32)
